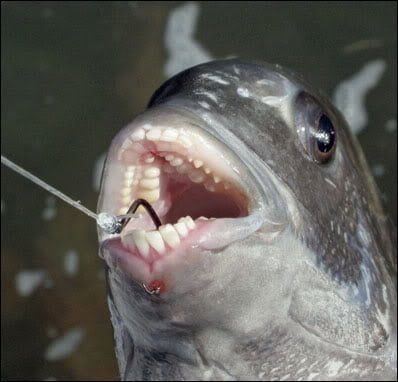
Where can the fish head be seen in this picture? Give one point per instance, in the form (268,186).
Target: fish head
(272,232)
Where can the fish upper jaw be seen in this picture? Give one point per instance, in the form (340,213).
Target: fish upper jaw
(197,186)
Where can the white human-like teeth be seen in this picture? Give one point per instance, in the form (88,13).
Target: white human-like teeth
(171,144)
(123,210)
(129,174)
(151,196)
(181,228)
(126,200)
(128,182)
(184,141)
(196,176)
(210,186)
(153,134)
(152,172)
(141,242)
(169,235)
(188,221)
(138,135)
(155,240)
(125,191)
(128,241)
(149,159)
(198,163)
(176,162)
(169,135)
(150,183)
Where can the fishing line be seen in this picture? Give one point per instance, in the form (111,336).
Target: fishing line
(108,222)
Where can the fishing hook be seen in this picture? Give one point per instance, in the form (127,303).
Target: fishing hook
(124,219)
(150,291)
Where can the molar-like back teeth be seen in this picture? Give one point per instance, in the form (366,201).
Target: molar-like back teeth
(152,172)
(141,242)
(155,240)
(149,183)
(128,182)
(126,200)
(150,196)
(169,235)
(138,135)
(181,228)
(125,191)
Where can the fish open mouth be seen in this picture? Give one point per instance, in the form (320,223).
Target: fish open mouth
(191,180)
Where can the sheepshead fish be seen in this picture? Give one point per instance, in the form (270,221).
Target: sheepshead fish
(274,259)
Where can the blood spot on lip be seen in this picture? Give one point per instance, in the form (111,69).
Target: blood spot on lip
(157,285)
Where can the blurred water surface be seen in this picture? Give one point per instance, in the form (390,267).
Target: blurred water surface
(73,73)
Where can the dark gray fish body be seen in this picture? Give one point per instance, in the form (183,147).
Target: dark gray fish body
(293,277)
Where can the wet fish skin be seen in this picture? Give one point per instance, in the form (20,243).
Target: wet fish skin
(315,300)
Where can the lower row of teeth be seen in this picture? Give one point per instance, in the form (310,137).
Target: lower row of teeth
(158,240)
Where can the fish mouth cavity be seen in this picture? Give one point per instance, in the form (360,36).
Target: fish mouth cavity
(192,180)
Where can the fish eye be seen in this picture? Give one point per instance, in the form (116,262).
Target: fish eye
(314,128)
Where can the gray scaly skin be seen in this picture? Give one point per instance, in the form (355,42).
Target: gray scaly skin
(304,288)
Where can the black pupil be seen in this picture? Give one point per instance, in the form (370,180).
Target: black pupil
(325,135)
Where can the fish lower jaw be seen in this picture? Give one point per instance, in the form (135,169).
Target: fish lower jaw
(153,244)
(146,254)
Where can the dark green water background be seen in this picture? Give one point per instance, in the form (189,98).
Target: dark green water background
(74,73)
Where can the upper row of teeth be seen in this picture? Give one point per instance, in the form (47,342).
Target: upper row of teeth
(165,135)
(147,178)
(169,234)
